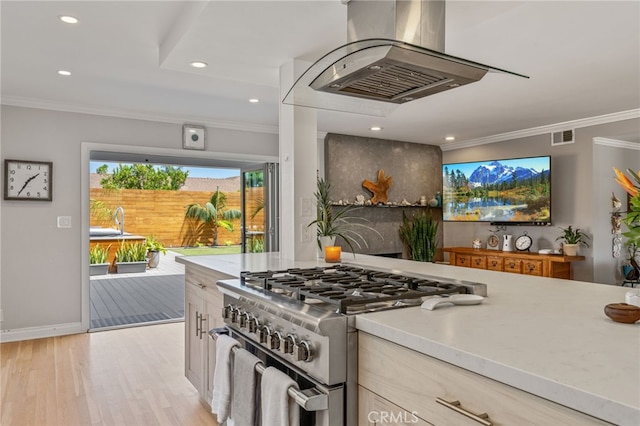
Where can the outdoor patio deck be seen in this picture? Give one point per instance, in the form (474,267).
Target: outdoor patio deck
(157,295)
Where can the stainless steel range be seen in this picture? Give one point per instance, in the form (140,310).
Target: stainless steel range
(303,322)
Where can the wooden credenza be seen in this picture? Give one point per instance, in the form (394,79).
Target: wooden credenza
(541,265)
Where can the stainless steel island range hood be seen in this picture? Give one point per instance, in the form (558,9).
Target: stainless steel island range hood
(394,55)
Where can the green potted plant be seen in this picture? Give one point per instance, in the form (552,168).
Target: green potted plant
(154,248)
(131,257)
(335,221)
(420,236)
(572,240)
(98,264)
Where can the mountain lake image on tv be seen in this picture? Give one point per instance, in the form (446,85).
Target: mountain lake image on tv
(510,191)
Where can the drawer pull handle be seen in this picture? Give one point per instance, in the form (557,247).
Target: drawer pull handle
(457,406)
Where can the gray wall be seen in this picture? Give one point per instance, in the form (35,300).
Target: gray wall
(415,169)
(573,192)
(41,264)
(607,154)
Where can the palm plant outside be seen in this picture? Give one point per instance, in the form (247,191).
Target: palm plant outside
(214,213)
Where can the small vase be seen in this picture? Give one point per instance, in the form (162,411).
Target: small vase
(324,242)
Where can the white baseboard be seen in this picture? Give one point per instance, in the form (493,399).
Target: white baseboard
(29,333)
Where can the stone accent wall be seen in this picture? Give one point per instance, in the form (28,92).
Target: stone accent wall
(416,170)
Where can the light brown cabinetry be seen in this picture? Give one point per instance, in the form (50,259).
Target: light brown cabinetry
(392,377)
(203,311)
(374,410)
(541,265)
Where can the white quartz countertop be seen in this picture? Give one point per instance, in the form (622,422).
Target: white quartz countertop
(546,336)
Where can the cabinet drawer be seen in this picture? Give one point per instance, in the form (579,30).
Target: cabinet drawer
(479,262)
(414,381)
(463,260)
(513,265)
(495,263)
(203,278)
(373,410)
(532,267)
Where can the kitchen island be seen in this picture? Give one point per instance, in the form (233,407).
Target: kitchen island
(547,337)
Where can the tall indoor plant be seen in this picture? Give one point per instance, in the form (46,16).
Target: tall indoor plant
(336,221)
(420,236)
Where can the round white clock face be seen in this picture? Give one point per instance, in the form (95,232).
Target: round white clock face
(523,242)
(27,180)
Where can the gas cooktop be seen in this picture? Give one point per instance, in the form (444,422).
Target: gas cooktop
(349,289)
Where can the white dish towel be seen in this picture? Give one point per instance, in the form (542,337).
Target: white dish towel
(277,408)
(221,400)
(243,402)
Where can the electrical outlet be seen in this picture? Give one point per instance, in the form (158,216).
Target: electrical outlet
(64,221)
(305,234)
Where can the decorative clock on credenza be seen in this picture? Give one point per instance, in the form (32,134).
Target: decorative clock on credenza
(28,180)
(493,242)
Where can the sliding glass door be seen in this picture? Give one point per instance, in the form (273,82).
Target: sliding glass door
(260,210)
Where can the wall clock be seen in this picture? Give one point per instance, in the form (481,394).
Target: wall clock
(523,242)
(28,180)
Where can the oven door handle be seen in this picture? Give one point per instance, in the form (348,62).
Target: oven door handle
(309,399)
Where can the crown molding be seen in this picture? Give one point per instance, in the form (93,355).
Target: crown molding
(57,106)
(574,124)
(614,143)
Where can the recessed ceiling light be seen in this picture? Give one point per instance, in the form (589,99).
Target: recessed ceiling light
(450,138)
(198,64)
(254,100)
(67,19)
(375,128)
(63,72)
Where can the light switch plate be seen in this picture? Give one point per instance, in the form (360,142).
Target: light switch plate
(305,203)
(64,221)
(193,137)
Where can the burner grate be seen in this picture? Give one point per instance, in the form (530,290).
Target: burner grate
(350,289)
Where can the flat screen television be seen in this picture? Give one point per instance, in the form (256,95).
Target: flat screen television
(514,191)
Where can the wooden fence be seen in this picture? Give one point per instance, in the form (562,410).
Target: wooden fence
(162,214)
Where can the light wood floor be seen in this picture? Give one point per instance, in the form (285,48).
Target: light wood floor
(132,376)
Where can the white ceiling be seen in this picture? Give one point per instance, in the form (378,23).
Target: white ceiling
(131,58)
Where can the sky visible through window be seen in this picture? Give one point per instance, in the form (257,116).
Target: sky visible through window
(194,172)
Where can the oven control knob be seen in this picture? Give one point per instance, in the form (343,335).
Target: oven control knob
(226,311)
(263,333)
(243,317)
(289,343)
(276,338)
(302,352)
(234,314)
(254,325)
